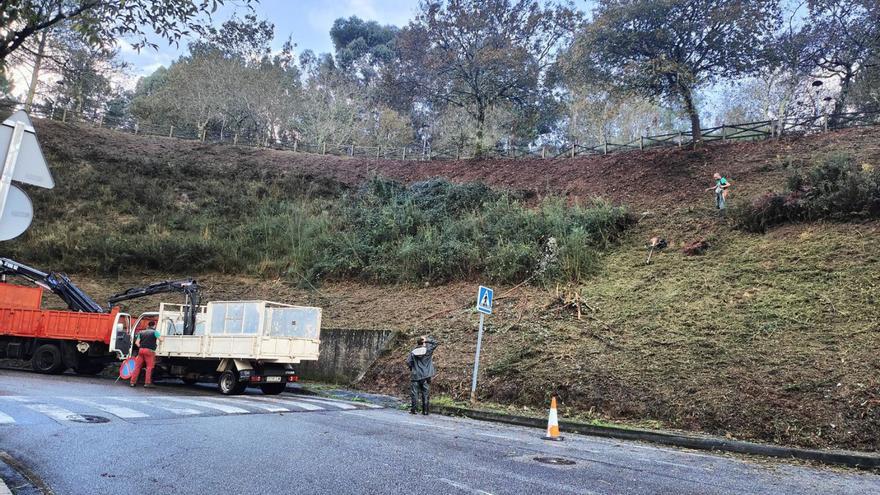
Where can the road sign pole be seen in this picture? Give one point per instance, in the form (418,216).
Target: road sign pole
(477,361)
(9,164)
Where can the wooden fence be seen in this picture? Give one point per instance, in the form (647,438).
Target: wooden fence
(750,131)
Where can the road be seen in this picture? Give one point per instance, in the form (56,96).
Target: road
(178,440)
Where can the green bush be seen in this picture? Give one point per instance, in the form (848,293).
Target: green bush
(837,188)
(144,215)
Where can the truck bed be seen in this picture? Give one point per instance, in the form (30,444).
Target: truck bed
(19,320)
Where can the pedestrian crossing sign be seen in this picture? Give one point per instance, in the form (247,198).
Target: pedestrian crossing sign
(484,300)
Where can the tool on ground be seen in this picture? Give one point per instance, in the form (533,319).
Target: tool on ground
(553,423)
(656,244)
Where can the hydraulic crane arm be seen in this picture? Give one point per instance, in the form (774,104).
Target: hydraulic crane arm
(58,283)
(189,287)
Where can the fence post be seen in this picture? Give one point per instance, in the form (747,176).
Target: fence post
(235,138)
(680,139)
(171,132)
(574,148)
(641,142)
(351,149)
(204,134)
(605,147)
(64,116)
(544,151)
(723,131)
(825,123)
(295,145)
(324,148)
(424,149)
(404,153)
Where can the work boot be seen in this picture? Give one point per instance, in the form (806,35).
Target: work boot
(131,385)
(413,411)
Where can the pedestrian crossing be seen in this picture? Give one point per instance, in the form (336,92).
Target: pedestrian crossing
(22,410)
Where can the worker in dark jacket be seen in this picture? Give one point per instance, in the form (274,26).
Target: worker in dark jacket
(147,341)
(421,366)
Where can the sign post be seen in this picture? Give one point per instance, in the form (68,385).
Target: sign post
(484,306)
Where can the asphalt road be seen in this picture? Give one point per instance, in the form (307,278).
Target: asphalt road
(176,439)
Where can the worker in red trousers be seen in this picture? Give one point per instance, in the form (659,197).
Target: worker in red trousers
(147,341)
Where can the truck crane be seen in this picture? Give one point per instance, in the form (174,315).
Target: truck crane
(189,287)
(58,283)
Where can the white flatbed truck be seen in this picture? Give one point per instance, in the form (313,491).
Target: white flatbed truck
(235,343)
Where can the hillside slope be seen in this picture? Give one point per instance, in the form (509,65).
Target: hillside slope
(767,337)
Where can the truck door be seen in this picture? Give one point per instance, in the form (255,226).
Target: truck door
(120,340)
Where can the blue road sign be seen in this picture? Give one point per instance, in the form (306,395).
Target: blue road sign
(484,300)
(127,368)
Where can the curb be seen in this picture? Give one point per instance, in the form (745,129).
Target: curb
(19,477)
(836,458)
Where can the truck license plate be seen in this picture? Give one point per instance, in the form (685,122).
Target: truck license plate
(273,379)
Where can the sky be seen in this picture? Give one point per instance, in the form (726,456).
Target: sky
(307,22)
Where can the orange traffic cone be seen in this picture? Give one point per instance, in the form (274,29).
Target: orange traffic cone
(553,423)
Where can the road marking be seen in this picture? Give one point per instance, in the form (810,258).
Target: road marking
(340,405)
(301,405)
(461,486)
(209,405)
(342,401)
(5,419)
(251,403)
(119,411)
(176,410)
(361,414)
(55,412)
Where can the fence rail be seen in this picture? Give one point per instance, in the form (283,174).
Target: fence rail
(753,131)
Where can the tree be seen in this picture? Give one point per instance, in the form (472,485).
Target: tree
(666,50)
(363,48)
(102,22)
(478,54)
(844,41)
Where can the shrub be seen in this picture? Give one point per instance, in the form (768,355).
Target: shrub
(836,188)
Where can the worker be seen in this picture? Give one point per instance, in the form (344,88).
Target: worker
(146,340)
(421,366)
(721,191)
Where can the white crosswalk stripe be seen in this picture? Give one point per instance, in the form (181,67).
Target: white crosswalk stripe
(252,403)
(55,412)
(6,419)
(208,405)
(295,403)
(13,409)
(340,405)
(118,411)
(180,411)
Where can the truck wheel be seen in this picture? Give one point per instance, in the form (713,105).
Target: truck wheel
(273,388)
(47,359)
(229,384)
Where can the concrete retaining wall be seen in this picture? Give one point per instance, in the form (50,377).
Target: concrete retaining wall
(345,354)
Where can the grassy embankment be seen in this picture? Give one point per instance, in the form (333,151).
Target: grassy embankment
(768,337)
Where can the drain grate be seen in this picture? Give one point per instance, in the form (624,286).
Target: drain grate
(557,461)
(88,418)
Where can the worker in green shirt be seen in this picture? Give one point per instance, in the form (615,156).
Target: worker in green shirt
(147,341)
(721,190)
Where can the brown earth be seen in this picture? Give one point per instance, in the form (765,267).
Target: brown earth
(764,337)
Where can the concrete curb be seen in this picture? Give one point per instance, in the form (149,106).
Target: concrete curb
(837,458)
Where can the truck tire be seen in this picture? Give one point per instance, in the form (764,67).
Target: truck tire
(47,359)
(273,388)
(229,384)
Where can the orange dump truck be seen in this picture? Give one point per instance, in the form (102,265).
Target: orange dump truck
(57,340)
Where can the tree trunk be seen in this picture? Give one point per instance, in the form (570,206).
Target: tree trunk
(35,75)
(481,122)
(691,109)
(840,103)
